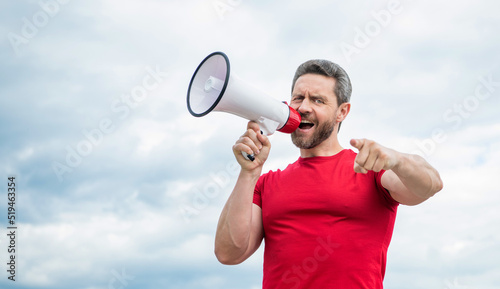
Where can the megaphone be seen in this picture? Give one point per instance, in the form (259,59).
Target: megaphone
(214,87)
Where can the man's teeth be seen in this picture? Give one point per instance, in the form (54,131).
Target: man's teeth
(305,124)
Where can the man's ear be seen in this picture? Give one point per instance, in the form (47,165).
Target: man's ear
(343,111)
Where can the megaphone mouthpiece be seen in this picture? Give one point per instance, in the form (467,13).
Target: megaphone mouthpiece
(292,122)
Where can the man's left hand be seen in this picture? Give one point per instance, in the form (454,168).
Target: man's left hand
(373,156)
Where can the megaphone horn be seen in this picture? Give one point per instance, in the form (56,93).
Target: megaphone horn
(214,87)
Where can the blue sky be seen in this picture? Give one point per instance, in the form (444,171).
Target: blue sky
(120,187)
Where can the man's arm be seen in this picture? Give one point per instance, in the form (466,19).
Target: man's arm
(240,231)
(409,178)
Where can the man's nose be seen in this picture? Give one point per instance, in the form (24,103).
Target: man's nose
(305,106)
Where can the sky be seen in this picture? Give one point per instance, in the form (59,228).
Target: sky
(118,186)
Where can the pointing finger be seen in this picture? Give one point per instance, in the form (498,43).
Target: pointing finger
(357,143)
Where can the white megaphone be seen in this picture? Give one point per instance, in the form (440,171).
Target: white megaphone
(214,88)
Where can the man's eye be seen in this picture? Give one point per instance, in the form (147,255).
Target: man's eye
(319,101)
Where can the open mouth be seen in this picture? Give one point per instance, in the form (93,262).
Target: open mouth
(305,124)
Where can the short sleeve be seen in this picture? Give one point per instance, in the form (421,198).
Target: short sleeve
(385,193)
(257,193)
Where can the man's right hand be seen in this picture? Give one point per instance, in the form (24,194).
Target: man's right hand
(253,143)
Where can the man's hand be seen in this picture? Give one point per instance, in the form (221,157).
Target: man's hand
(253,143)
(409,178)
(373,156)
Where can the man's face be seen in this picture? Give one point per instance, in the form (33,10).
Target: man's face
(314,99)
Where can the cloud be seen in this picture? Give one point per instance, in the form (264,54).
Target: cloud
(120,211)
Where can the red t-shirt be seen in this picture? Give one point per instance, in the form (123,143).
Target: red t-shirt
(325,226)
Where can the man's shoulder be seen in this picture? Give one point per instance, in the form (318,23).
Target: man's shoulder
(348,153)
(278,171)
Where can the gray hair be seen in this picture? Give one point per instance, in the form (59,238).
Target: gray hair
(342,89)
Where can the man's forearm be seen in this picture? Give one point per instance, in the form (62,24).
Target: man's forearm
(418,176)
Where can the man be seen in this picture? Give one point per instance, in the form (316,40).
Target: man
(328,218)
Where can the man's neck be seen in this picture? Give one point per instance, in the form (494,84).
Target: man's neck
(327,148)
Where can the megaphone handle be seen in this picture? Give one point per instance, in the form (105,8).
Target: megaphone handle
(248,157)
(252,157)
(267,126)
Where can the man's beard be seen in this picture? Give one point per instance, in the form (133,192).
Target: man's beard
(321,133)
